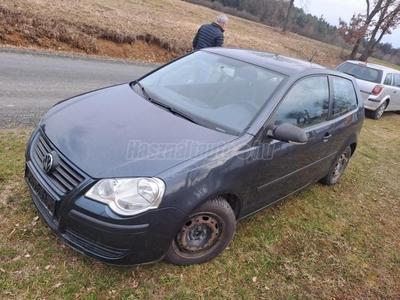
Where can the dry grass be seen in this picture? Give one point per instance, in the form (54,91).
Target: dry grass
(102,27)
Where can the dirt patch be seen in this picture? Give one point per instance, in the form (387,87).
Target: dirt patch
(138,50)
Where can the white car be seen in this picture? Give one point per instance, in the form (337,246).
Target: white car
(379,86)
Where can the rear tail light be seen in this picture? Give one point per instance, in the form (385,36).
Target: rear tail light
(377,90)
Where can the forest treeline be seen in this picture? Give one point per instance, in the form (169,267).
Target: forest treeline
(273,13)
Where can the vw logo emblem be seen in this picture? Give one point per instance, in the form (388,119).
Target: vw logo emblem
(47,162)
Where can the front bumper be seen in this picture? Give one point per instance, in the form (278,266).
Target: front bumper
(91,227)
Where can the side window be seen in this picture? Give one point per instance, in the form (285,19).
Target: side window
(344,96)
(306,103)
(396,81)
(388,79)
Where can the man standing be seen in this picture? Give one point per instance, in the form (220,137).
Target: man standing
(211,35)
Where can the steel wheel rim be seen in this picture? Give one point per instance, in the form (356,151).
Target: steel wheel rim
(199,233)
(340,165)
(380,111)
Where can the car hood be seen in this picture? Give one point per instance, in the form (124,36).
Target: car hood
(114,132)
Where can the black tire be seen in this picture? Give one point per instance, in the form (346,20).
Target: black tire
(376,114)
(338,168)
(206,233)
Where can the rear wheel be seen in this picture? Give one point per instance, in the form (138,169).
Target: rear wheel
(379,112)
(338,168)
(205,234)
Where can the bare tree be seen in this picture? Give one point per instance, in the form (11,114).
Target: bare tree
(354,32)
(304,4)
(287,15)
(389,19)
(362,26)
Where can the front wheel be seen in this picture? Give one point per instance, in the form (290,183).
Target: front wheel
(338,168)
(205,234)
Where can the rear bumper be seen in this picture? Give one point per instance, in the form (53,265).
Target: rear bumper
(372,104)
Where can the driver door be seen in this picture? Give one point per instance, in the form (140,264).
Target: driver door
(288,167)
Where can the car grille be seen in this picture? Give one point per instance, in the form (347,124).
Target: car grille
(65,177)
(94,246)
(47,200)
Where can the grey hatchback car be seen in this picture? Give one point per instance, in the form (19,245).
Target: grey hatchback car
(379,86)
(164,166)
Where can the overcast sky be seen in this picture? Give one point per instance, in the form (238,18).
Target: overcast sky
(331,10)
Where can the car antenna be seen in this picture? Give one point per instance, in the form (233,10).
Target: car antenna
(310,60)
(278,57)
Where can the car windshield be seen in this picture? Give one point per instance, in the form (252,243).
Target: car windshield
(361,71)
(212,90)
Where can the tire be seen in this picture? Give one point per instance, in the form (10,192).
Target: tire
(379,111)
(205,234)
(336,172)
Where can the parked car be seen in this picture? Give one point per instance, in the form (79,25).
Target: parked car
(379,86)
(163,167)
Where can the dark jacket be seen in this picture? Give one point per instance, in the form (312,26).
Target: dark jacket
(209,35)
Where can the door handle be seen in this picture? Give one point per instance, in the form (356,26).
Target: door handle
(327,137)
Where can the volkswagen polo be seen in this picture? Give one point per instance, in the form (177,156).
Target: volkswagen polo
(163,167)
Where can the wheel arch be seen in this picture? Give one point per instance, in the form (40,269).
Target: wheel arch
(385,99)
(353,147)
(234,202)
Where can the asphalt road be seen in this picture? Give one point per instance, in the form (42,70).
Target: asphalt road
(32,82)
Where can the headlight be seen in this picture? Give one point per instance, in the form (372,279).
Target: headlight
(128,196)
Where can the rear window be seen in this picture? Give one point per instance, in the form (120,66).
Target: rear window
(361,72)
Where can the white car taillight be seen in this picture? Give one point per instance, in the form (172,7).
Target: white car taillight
(377,90)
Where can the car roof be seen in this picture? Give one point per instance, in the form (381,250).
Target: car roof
(372,65)
(280,63)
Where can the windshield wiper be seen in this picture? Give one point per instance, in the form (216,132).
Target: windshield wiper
(147,96)
(163,105)
(182,115)
(144,92)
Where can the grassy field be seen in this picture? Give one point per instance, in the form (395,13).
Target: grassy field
(340,242)
(147,30)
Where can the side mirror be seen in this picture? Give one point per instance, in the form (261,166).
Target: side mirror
(289,133)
